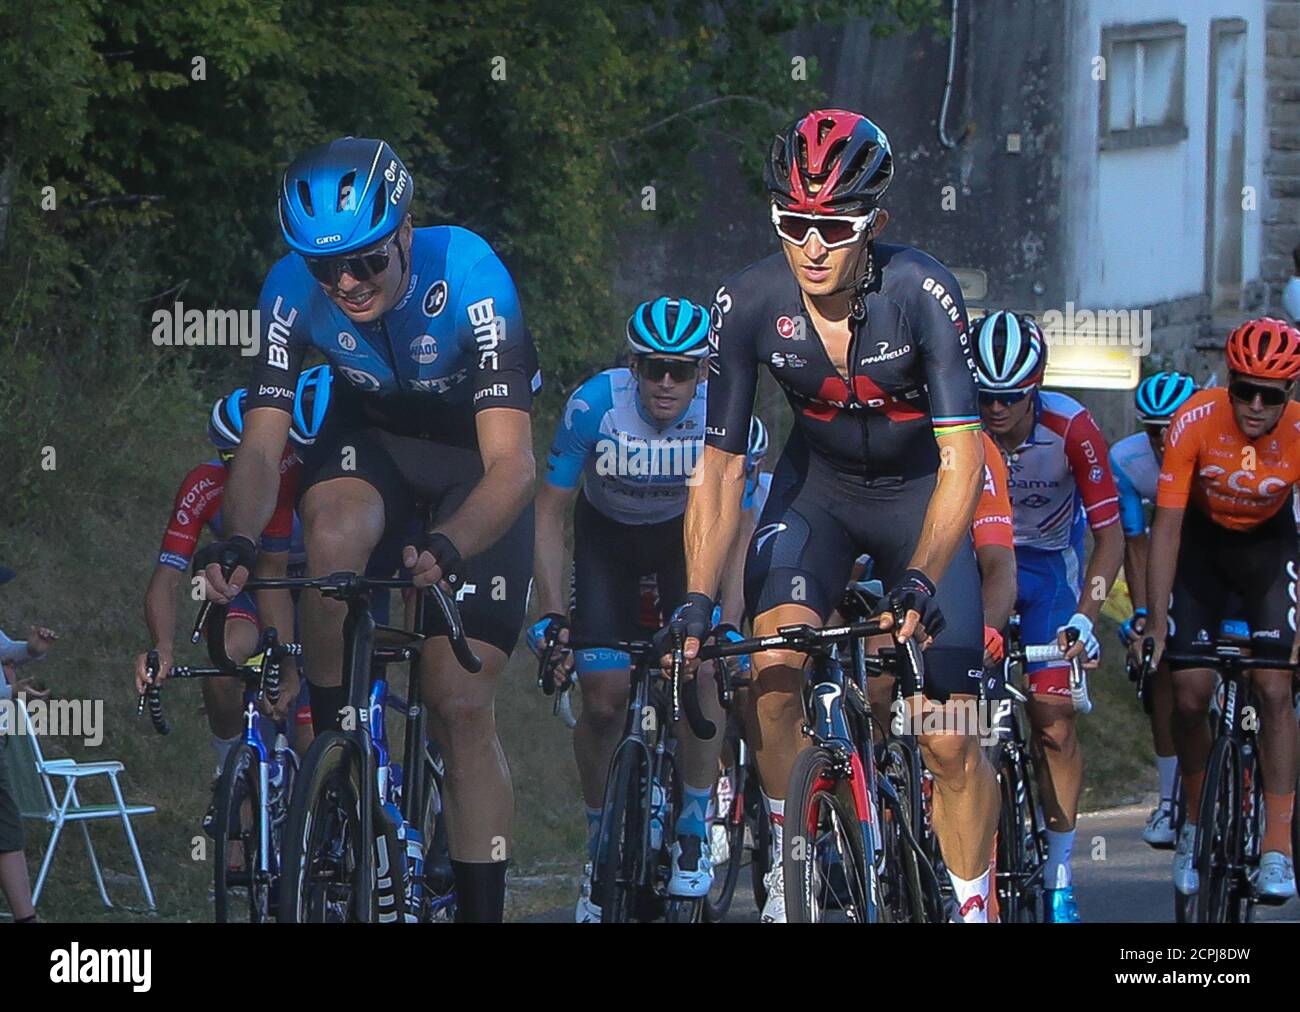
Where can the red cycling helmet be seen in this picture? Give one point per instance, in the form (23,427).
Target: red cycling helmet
(1265,348)
(843,153)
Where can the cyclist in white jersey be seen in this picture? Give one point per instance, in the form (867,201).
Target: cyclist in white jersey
(1135,462)
(631,438)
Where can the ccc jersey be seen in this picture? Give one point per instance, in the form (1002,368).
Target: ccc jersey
(452,346)
(1237,482)
(1136,471)
(910,370)
(1060,476)
(198,505)
(633,470)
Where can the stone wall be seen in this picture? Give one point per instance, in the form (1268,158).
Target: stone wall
(1281,203)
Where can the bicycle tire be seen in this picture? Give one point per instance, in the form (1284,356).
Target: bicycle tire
(1184,906)
(822,819)
(732,822)
(439,883)
(921,903)
(1018,865)
(317,887)
(238,784)
(624,836)
(1218,836)
(760,856)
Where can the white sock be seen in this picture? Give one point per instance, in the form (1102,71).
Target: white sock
(1167,765)
(222,747)
(776,818)
(1059,847)
(972,898)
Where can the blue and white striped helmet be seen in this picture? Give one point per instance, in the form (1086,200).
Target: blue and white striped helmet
(669,327)
(1010,351)
(226,423)
(1159,396)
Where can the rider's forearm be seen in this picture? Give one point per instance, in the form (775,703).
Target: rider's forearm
(1135,568)
(733,581)
(1103,567)
(251,489)
(952,504)
(1162,561)
(493,505)
(275,607)
(160,605)
(997,584)
(548,551)
(712,518)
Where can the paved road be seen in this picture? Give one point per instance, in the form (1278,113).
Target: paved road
(1117,877)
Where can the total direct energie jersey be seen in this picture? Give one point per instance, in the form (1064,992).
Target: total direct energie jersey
(633,470)
(198,505)
(453,345)
(1237,482)
(910,370)
(1060,475)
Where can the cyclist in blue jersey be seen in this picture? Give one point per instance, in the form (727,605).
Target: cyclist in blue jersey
(425,327)
(1135,461)
(869,344)
(631,437)
(1060,486)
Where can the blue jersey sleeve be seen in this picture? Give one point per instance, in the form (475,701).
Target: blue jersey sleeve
(491,330)
(1132,516)
(579,428)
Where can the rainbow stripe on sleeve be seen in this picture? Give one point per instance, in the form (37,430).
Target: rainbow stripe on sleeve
(957,423)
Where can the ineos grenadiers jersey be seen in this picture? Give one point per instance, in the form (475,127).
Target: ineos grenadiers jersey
(1136,470)
(910,369)
(1059,476)
(633,470)
(454,345)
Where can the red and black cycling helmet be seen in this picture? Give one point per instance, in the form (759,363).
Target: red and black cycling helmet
(842,154)
(1265,348)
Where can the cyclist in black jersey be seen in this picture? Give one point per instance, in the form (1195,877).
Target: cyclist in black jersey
(869,343)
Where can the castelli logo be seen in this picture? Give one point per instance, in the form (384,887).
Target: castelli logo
(785,327)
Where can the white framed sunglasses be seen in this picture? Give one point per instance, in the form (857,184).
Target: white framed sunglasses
(832,231)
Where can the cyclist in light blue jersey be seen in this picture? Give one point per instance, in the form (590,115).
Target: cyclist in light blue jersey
(1135,461)
(630,437)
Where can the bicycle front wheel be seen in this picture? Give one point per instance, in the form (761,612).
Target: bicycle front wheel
(624,840)
(827,876)
(323,846)
(238,832)
(1218,834)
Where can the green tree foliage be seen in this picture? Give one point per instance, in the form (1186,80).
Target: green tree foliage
(142,143)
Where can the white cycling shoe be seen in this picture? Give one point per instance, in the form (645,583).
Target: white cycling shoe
(1159,832)
(774,908)
(1186,879)
(586,912)
(692,867)
(1276,882)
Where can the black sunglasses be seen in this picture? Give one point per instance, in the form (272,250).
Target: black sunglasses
(655,369)
(1004,396)
(362,266)
(1246,392)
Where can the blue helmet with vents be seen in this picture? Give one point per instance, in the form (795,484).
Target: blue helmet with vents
(1160,396)
(669,327)
(343,196)
(226,423)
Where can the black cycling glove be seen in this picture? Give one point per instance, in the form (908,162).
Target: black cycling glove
(693,618)
(444,553)
(915,592)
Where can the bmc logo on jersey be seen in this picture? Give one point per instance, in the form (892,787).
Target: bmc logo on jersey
(489,331)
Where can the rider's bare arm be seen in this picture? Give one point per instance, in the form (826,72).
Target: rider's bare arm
(712,518)
(997,583)
(1103,566)
(254,481)
(733,579)
(1136,551)
(505,438)
(1166,534)
(952,504)
(553,505)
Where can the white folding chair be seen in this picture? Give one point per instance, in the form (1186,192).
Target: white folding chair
(34,781)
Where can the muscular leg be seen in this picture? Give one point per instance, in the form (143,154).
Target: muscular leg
(778,701)
(698,760)
(1277,741)
(1060,776)
(1192,689)
(965,793)
(599,728)
(479,796)
(223,698)
(343,521)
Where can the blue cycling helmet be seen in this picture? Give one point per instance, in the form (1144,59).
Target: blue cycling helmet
(669,327)
(1010,352)
(311,404)
(343,196)
(1159,396)
(226,423)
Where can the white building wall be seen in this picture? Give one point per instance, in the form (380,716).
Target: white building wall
(1135,219)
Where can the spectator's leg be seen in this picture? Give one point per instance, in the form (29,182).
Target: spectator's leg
(16,886)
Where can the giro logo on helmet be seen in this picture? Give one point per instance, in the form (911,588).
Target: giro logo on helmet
(323,240)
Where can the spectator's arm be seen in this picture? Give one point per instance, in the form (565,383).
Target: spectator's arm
(15,651)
